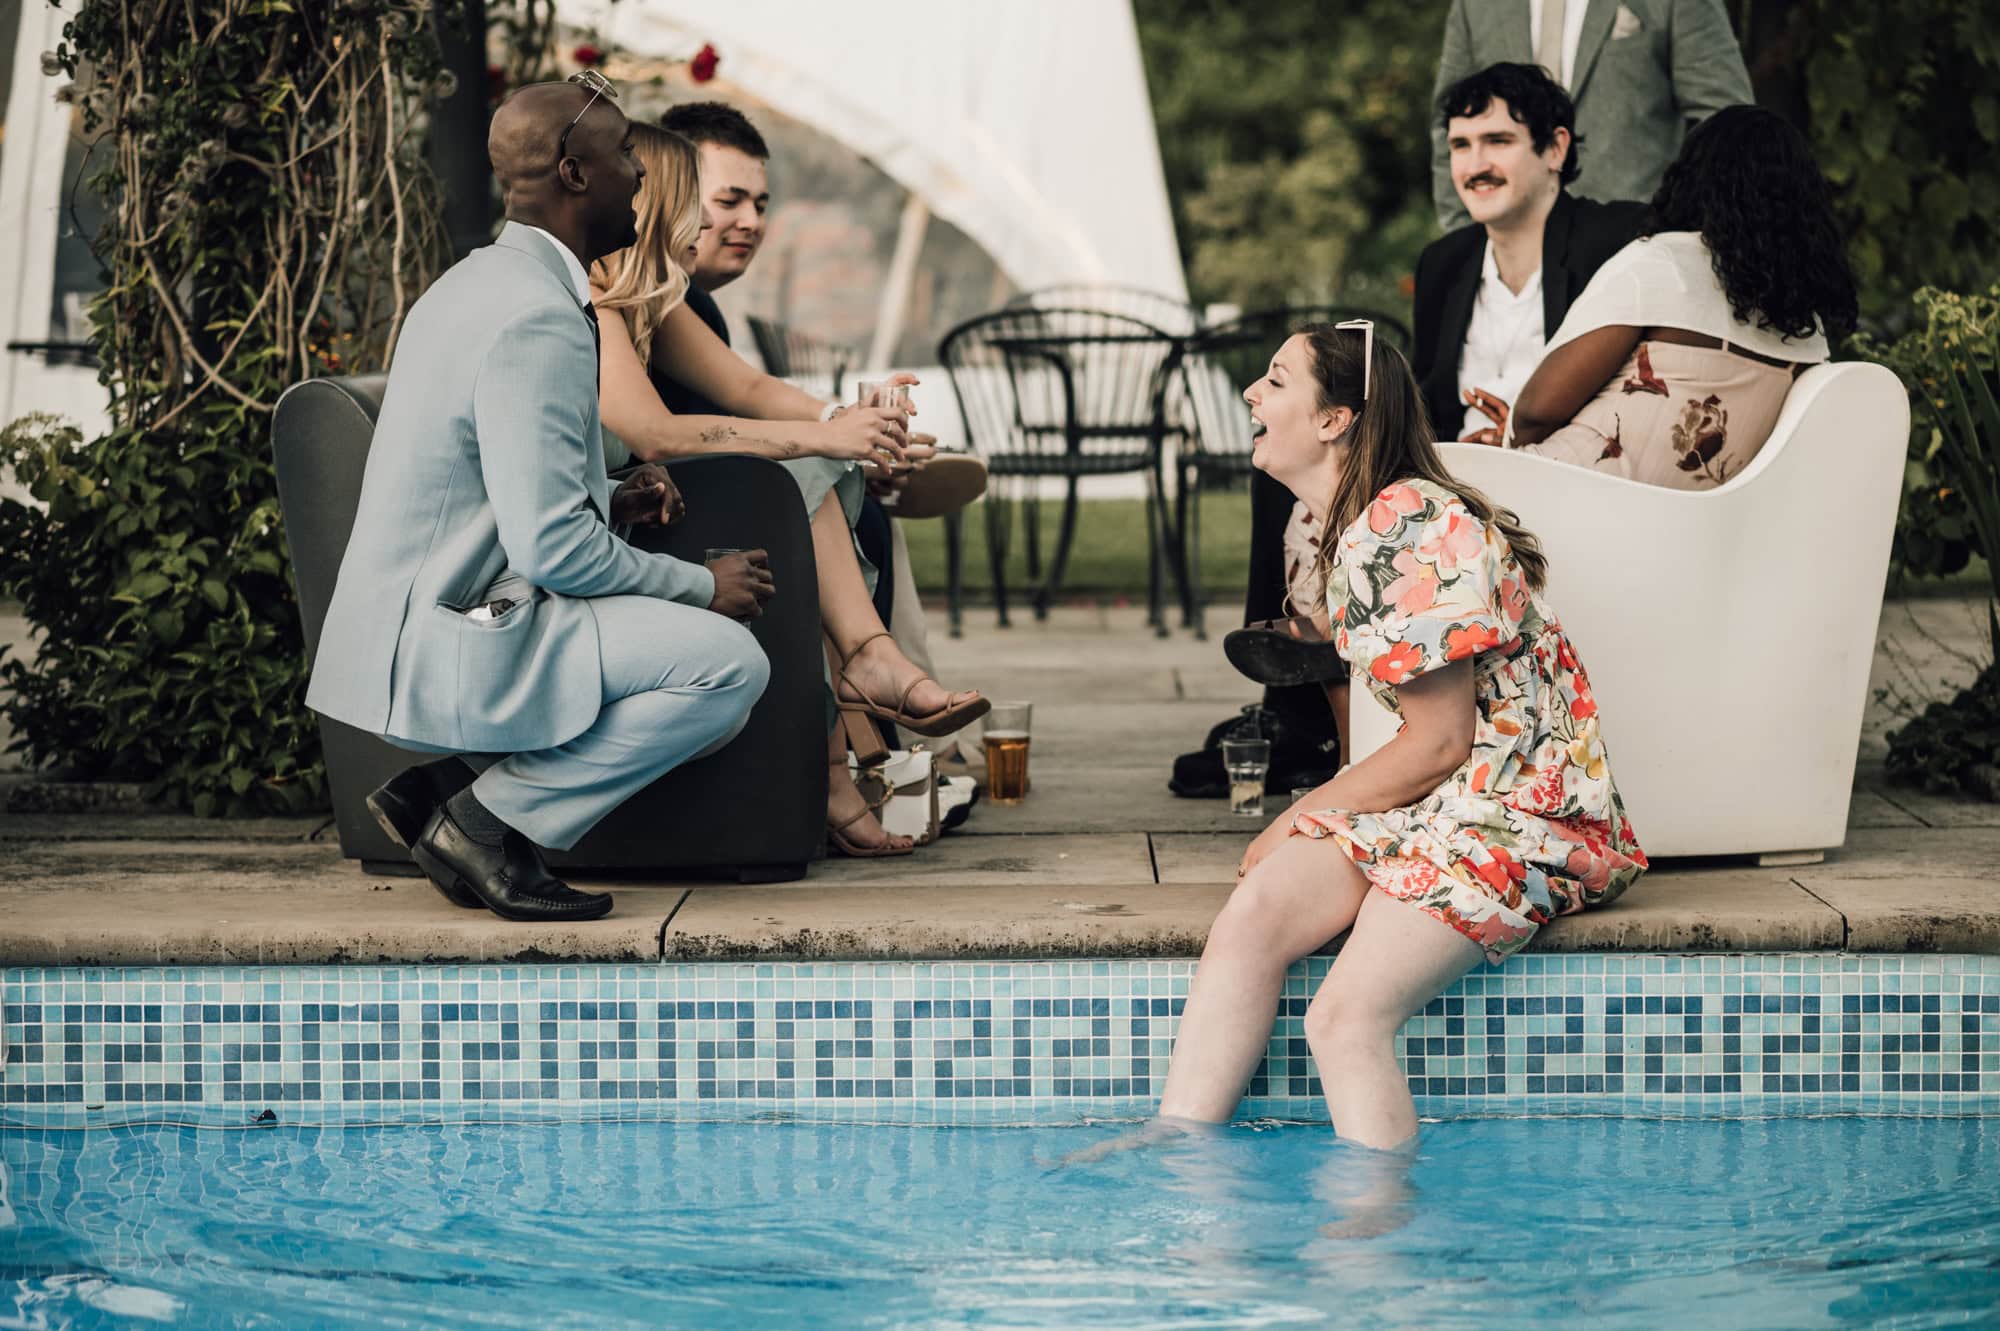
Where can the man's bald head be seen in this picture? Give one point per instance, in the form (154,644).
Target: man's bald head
(522,138)
(581,190)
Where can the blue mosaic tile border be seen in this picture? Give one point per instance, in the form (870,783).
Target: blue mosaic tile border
(353,1044)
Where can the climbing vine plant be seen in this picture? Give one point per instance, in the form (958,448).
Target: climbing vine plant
(269,218)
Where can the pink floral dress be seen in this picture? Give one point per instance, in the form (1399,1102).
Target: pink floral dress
(1530,826)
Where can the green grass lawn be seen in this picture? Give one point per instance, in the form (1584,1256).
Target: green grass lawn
(1108,557)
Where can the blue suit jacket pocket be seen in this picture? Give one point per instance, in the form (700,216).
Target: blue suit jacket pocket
(527,679)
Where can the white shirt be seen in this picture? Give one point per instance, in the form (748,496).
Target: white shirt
(1502,342)
(577,277)
(1572,37)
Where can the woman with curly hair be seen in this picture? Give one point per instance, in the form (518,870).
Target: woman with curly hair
(1673,365)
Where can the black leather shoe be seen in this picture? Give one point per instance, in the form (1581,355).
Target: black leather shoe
(1297,758)
(509,879)
(403,804)
(1282,652)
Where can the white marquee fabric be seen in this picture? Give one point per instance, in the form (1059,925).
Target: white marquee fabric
(1026,124)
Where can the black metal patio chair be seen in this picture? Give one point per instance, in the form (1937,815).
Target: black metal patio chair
(814,365)
(1169,314)
(1208,375)
(1067,393)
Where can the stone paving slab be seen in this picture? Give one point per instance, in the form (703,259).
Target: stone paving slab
(791,922)
(18,827)
(1098,800)
(1707,910)
(290,909)
(984,861)
(1681,908)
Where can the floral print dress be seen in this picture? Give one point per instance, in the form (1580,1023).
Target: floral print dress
(1530,826)
(1688,418)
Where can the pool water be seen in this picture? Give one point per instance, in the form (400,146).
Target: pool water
(1607,1222)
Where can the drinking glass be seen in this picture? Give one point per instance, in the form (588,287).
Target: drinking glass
(1007,752)
(1248,762)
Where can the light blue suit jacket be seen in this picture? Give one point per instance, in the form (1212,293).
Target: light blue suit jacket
(485,480)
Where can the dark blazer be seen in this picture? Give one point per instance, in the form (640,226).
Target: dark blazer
(680,399)
(1578,237)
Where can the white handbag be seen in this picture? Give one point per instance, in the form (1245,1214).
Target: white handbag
(903,791)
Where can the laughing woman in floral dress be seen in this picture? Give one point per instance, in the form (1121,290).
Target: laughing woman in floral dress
(1490,813)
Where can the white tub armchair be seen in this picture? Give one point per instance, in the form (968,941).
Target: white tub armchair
(1728,634)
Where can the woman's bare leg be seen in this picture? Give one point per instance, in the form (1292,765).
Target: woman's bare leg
(844,800)
(1302,894)
(848,615)
(1396,960)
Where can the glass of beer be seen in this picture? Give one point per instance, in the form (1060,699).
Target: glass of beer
(1007,752)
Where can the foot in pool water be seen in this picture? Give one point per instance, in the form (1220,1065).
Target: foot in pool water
(1152,1133)
(1369,1189)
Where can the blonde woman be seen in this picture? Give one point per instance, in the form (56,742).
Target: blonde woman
(824,448)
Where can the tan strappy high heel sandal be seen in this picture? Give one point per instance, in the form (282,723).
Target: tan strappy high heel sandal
(836,833)
(960,709)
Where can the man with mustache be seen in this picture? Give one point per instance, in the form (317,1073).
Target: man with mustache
(484,605)
(1489,293)
(1641,73)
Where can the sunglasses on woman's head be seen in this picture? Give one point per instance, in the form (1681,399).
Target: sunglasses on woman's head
(599,87)
(1366,327)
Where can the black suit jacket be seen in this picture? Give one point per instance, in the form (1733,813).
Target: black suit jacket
(1578,237)
(680,399)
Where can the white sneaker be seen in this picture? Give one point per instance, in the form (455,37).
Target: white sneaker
(955,795)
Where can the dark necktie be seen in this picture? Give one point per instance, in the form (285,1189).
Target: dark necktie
(596,341)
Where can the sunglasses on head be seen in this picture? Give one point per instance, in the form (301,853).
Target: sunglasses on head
(1366,327)
(599,87)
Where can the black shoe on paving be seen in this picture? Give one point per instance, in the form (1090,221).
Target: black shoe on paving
(403,804)
(1297,759)
(509,879)
(1280,653)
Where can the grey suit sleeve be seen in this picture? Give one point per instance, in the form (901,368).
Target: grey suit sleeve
(537,461)
(1708,71)
(1454,63)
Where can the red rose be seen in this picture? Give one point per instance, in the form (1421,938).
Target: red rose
(587,55)
(702,68)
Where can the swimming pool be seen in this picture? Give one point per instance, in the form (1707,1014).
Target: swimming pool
(1599,1222)
(1627,1140)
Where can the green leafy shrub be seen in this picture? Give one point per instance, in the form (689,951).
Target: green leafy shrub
(1951,361)
(271,219)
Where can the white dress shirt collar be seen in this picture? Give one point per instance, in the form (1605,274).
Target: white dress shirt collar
(577,277)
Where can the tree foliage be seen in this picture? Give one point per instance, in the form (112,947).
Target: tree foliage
(1294,140)
(271,219)
(1903,105)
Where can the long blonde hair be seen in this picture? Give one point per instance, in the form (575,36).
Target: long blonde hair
(645,281)
(1390,440)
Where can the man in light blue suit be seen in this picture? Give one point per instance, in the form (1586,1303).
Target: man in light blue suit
(484,604)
